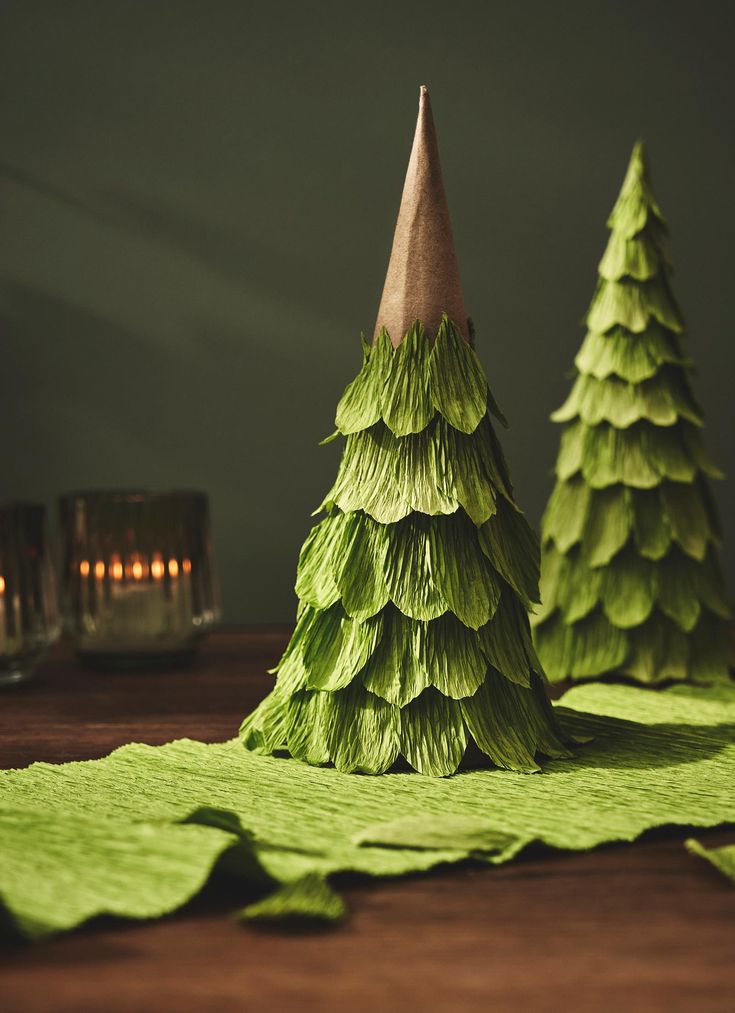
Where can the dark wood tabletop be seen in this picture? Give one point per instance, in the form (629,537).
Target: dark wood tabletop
(638,927)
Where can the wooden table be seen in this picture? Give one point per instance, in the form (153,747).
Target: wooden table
(640,927)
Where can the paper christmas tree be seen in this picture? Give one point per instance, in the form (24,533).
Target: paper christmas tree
(630,577)
(413,639)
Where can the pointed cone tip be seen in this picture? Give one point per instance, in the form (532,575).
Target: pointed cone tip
(423,280)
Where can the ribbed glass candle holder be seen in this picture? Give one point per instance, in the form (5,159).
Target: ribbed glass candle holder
(29,620)
(138,580)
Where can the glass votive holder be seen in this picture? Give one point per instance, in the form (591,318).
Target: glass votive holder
(29,620)
(138,581)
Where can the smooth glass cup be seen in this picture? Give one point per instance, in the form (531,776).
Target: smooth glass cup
(137,572)
(29,618)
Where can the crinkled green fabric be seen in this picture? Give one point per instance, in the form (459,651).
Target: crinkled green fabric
(630,579)
(138,832)
(413,640)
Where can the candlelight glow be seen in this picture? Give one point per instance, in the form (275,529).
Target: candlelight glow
(99,569)
(137,570)
(186,566)
(157,568)
(2,585)
(173,567)
(84,568)
(116,568)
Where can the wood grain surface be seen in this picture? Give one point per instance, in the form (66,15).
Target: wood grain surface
(638,927)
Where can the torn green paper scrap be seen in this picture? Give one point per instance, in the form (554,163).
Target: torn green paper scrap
(309,897)
(58,871)
(723,859)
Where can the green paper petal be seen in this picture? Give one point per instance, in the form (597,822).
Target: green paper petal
(458,384)
(315,582)
(566,513)
(512,547)
(364,733)
(307,726)
(407,405)
(506,641)
(264,730)
(650,524)
(433,735)
(361,403)
(628,590)
(687,516)
(338,648)
(609,524)
(395,671)
(452,655)
(578,587)
(469,585)
(358,566)
(510,724)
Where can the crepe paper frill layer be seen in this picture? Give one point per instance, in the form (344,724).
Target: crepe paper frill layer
(413,638)
(138,832)
(630,579)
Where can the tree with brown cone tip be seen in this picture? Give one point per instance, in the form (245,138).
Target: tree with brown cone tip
(413,638)
(630,578)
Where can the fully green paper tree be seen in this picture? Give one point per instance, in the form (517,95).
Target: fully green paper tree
(630,577)
(413,638)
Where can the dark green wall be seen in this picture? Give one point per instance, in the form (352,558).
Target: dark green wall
(197,202)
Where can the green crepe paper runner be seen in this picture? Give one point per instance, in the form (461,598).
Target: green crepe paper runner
(630,577)
(656,759)
(723,859)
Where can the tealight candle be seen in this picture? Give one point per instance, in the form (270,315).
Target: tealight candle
(138,575)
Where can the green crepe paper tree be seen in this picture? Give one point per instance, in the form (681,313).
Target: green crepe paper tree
(630,576)
(413,638)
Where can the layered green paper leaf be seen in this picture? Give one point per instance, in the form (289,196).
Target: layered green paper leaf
(630,580)
(407,386)
(115,835)
(436,471)
(426,566)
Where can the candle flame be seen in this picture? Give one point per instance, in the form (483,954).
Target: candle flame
(157,567)
(2,585)
(99,569)
(116,568)
(84,568)
(186,566)
(137,570)
(173,567)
